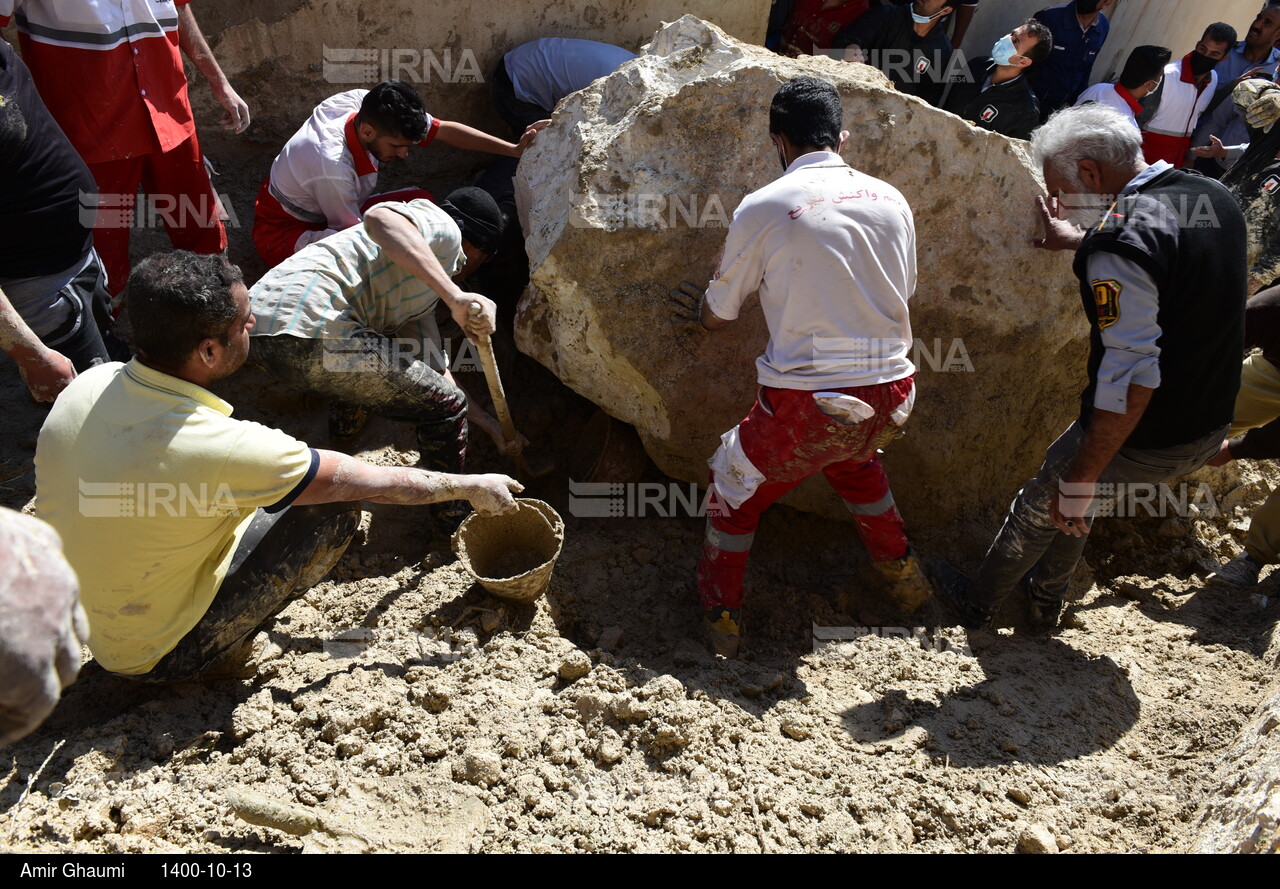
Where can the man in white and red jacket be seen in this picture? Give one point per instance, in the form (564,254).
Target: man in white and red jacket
(832,253)
(324,178)
(112,76)
(1188,88)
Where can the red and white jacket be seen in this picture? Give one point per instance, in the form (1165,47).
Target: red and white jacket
(1181,101)
(111,73)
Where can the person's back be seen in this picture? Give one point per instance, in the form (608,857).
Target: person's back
(838,253)
(151,484)
(544,71)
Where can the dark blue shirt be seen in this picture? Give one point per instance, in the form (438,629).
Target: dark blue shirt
(1060,79)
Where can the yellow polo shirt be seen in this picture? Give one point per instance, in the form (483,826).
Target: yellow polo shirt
(151,485)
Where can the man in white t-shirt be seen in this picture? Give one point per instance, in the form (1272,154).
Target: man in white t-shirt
(1141,76)
(323,180)
(832,253)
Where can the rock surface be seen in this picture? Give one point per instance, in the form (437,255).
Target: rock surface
(630,190)
(1242,808)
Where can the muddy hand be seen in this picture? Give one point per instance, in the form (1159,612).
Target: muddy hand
(1265,111)
(477,315)
(490,494)
(46,374)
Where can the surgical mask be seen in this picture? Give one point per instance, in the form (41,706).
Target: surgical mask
(1004,51)
(921,19)
(1202,64)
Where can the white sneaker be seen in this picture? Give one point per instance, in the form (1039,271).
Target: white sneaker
(1242,571)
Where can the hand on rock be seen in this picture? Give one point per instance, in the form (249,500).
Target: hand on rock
(1059,233)
(686,304)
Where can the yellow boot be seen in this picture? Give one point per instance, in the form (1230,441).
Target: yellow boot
(724,630)
(906,582)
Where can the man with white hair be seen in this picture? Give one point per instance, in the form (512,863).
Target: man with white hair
(1161,264)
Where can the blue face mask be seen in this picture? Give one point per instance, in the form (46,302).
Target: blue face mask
(1003,52)
(921,19)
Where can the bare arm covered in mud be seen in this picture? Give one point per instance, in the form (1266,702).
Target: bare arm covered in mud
(45,371)
(341,478)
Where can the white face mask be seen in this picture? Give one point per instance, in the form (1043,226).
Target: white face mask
(1004,52)
(921,19)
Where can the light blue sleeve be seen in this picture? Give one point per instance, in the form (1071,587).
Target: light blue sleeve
(1129,306)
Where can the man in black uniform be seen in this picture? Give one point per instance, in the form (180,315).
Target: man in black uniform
(996,93)
(907,43)
(1163,289)
(54,305)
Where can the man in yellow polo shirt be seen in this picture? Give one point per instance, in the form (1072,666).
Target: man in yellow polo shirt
(190,530)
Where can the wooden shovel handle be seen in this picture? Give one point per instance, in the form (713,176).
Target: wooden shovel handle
(496,393)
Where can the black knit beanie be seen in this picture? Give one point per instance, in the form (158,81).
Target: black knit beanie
(477,214)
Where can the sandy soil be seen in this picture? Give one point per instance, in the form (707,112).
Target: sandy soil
(399,707)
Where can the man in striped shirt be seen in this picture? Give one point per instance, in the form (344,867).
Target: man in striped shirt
(112,75)
(352,318)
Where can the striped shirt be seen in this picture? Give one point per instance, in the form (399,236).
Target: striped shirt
(111,73)
(344,284)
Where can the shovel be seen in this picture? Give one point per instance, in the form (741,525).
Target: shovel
(499,397)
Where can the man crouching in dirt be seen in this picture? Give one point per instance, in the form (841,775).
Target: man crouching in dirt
(190,530)
(352,318)
(832,252)
(1165,299)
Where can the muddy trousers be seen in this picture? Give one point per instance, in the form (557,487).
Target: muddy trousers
(1030,546)
(784,440)
(372,372)
(280,557)
(1257,405)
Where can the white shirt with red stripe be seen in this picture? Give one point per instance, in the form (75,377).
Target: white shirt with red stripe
(323,175)
(1181,101)
(832,252)
(110,72)
(1113,95)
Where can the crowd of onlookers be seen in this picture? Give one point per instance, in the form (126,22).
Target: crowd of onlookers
(1181,105)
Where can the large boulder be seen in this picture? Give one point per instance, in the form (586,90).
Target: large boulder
(630,189)
(1241,798)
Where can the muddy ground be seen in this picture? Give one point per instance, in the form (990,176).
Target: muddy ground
(399,707)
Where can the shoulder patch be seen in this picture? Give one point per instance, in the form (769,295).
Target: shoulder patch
(989,114)
(1271,184)
(1106,297)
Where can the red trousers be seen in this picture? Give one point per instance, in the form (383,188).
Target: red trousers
(276,231)
(787,439)
(179,195)
(1159,147)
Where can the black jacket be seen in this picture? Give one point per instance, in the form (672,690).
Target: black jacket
(1188,234)
(1010,108)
